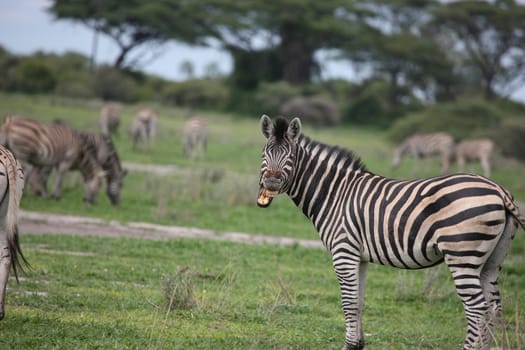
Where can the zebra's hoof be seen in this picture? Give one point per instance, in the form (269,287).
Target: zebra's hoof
(359,346)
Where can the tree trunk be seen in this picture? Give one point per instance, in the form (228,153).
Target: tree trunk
(297,60)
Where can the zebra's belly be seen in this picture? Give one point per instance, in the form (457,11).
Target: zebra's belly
(406,258)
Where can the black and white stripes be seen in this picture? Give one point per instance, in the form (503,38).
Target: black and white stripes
(467,221)
(55,145)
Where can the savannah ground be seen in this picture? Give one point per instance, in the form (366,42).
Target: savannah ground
(86,292)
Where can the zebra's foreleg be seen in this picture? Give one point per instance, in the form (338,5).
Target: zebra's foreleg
(61,171)
(351,275)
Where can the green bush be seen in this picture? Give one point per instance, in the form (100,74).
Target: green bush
(112,84)
(33,76)
(316,110)
(510,138)
(269,97)
(462,119)
(197,93)
(370,105)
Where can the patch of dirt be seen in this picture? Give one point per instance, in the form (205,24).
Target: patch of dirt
(45,223)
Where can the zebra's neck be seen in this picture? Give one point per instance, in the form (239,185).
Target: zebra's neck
(322,173)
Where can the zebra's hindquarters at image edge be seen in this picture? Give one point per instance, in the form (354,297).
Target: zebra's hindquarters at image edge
(465,220)
(11,189)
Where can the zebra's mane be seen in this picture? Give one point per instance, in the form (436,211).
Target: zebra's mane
(280,128)
(356,163)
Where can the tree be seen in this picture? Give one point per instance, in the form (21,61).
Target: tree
(398,52)
(134,24)
(490,36)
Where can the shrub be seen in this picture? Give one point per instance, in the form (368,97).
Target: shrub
(510,139)
(462,119)
(177,291)
(33,76)
(317,110)
(271,96)
(197,93)
(112,84)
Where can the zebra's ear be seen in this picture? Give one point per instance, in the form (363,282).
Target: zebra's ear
(294,129)
(266,126)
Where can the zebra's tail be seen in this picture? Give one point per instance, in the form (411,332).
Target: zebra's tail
(512,207)
(11,225)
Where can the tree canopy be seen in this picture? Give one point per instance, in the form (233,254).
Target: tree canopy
(418,46)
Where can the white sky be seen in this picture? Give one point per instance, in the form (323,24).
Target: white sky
(26,27)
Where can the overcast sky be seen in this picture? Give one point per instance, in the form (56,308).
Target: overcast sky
(26,27)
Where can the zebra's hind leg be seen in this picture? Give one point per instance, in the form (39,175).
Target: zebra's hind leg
(468,286)
(490,273)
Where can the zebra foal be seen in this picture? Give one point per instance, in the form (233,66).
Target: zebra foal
(109,119)
(52,145)
(195,137)
(11,188)
(471,150)
(144,127)
(466,221)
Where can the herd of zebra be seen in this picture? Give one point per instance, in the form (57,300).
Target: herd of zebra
(423,145)
(466,221)
(31,149)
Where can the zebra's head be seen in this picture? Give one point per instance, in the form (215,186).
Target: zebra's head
(114,185)
(279,152)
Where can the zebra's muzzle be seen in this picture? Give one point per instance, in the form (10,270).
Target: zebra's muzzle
(265,197)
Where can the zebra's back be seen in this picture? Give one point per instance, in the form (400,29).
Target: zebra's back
(38,143)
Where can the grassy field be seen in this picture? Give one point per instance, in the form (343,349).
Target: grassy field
(92,293)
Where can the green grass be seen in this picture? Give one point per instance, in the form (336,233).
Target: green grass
(89,293)
(221,190)
(107,293)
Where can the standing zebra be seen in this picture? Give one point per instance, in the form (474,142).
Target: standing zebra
(11,188)
(474,150)
(195,137)
(467,221)
(109,119)
(144,127)
(424,146)
(57,145)
(106,155)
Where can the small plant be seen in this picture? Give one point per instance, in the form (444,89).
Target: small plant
(177,291)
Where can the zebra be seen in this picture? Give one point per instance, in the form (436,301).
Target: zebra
(106,156)
(109,119)
(57,145)
(473,150)
(195,137)
(423,146)
(144,127)
(11,188)
(464,220)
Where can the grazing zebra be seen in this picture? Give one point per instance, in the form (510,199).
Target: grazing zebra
(195,137)
(11,188)
(109,119)
(466,221)
(474,150)
(144,127)
(54,145)
(424,146)
(106,156)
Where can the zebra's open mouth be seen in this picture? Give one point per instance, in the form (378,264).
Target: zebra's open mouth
(265,197)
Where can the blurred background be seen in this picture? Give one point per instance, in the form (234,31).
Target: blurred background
(375,61)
